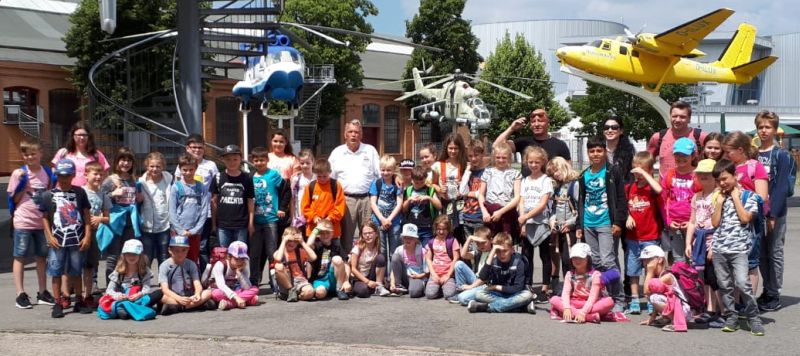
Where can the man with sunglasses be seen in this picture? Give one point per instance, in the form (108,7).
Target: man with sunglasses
(540,125)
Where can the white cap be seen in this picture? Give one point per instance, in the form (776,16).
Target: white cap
(651,251)
(580,250)
(133,246)
(409,230)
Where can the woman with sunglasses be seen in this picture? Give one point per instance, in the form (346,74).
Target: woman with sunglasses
(619,147)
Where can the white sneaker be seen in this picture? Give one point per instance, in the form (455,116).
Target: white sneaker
(382,291)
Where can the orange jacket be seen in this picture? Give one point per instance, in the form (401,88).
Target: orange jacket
(322,204)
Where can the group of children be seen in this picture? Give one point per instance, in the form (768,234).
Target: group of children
(447,227)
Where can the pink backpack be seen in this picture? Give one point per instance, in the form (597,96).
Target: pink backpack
(692,286)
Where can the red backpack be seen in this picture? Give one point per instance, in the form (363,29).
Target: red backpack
(218,254)
(692,286)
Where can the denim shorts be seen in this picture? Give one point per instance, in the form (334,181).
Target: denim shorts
(326,281)
(28,243)
(65,261)
(632,262)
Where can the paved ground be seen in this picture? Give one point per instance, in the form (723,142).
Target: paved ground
(386,325)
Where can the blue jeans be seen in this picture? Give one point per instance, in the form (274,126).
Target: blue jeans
(156,246)
(632,262)
(425,234)
(390,240)
(464,275)
(502,302)
(772,258)
(29,243)
(65,261)
(226,236)
(205,250)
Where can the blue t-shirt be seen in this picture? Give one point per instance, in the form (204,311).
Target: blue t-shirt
(595,207)
(387,199)
(266,191)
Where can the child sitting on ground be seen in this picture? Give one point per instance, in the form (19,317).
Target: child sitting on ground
(367,264)
(476,253)
(583,297)
(664,292)
(505,279)
(128,294)
(441,254)
(230,279)
(180,281)
(291,274)
(408,265)
(329,272)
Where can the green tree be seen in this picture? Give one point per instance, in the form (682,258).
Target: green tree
(439,24)
(343,14)
(518,66)
(639,118)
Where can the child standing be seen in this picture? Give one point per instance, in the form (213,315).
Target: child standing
(644,221)
(427,157)
(505,279)
(564,207)
(583,297)
(679,186)
(25,189)
(406,167)
(731,244)
(299,184)
(421,205)
(66,225)
(128,290)
(179,279)
(155,186)
(698,240)
(471,217)
(230,283)
(291,273)
(602,213)
(476,253)
(780,167)
(386,201)
(441,254)
(712,147)
(189,204)
(324,199)
(499,194)
(329,272)
(121,187)
(232,199)
(272,201)
(408,265)
(367,264)
(100,214)
(535,192)
(447,172)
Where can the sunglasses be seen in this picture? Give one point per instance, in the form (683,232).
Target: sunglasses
(611,127)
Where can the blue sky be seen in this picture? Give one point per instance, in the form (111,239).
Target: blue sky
(773,17)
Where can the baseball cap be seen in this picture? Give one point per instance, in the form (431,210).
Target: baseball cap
(65,167)
(684,146)
(231,150)
(409,230)
(179,241)
(651,251)
(407,164)
(580,250)
(133,246)
(238,249)
(705,166)
(325,225)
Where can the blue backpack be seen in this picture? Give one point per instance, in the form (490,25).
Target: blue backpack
(758,225)
(23,184)
(773,169)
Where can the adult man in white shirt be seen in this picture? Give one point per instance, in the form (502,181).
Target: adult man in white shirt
(355,165)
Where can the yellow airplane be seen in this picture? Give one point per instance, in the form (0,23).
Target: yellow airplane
(653,60)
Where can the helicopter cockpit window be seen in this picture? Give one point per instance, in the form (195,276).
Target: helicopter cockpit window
(273,58)
(596,43)
(286,56)
(480,113)
(295,57)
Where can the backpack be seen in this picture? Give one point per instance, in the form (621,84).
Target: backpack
(198,187)
(696,132)
(691,284)
(447,241)
(298,261)
(334,188)
(218,254)
(773,170)
(758,225)
(431,192)
(23,184)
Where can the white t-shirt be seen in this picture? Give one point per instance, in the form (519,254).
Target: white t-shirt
(532,191)
(355,171)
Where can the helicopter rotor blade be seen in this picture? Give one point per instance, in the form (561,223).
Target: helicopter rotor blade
(382,38)
(315,32)
(295,38)
(408,80)
(524,78)
(512,91)
(446,79)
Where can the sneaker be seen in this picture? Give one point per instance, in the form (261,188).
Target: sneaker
(64,301)
(210,305)
(23,302)
(731,323)
(763,298)
(531,308)
(45,298)
(400,290)
(716,322)
(292,297)
(58,311)
(771,304)
(81,308)
(123,314)
(342,295)
(668,328)
(543,298)
(223,305)
(635,307)
(756,327)
(453,300)
(169,309)
(90,303)
(475,306)
(382,291)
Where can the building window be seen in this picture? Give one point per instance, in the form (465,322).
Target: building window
(747,92)
(331,136)
(391,129)
(371,114)
(227,117)
(25,97)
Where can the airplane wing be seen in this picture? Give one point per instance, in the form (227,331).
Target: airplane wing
(687,36)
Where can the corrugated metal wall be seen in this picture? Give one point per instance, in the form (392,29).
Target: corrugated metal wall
(782,78)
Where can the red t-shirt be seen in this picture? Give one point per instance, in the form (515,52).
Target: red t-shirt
(642,205)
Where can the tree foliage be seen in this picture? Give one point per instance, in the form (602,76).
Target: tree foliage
(344,14)
(517,65)
(639,118)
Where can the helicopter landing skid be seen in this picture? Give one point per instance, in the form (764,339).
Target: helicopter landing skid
(652,98)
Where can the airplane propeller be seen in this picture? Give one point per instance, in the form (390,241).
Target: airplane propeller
(634,38)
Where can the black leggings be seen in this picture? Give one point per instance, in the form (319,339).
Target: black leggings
(361,289)
(544,255)
(563,247)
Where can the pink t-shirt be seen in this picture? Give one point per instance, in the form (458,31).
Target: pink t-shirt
(80,164)
(703,210)
(27,215)
(678,196)
(284,165)
(441,260)
(747,176)
(665,156)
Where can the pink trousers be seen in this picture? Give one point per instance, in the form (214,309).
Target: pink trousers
(250,296)
(601,307)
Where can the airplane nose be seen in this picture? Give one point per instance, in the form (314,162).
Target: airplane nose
(561,53)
